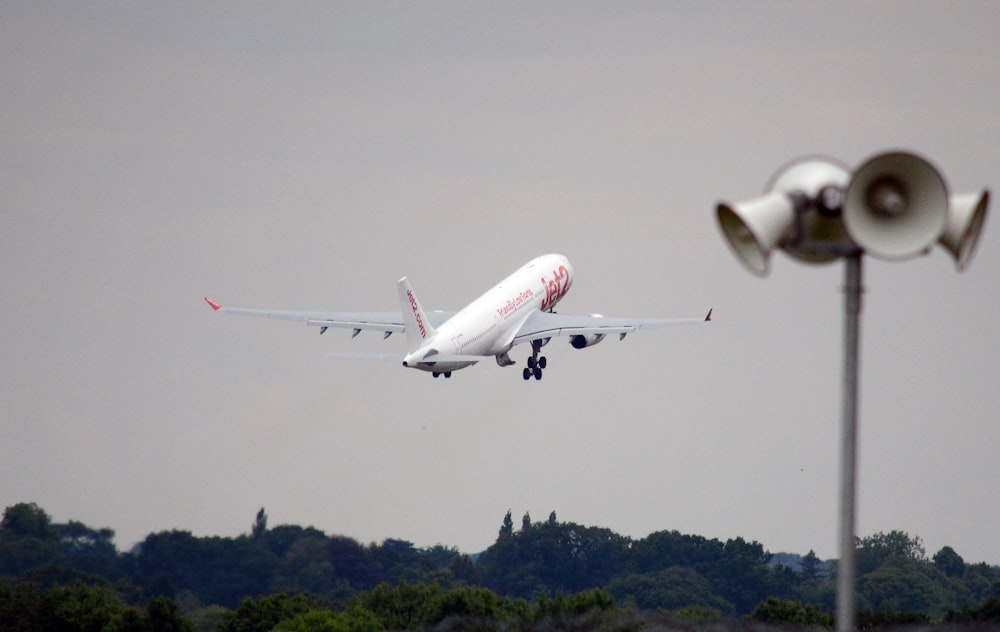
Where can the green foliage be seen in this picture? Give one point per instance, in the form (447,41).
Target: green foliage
(353,620)
(164,615)
(884,618)
(785,611)
(876,549)
(697,614)
(70,576)
(26,520)
(259,527)
(812,567)
(949,562)
(982,582)
(207,619)
(218,570)
(281,538)
(560,556)
(674,588)
(507,527)
(737,571)
(27,539)
(402,606)
(79,607)
(906,585)
(89,550)
(987,612)
(263,614)
(21,607)
(353,563)
(306,567)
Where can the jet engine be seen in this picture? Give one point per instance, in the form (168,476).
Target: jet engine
(581,342)
(586,340)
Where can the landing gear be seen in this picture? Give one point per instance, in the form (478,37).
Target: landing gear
(535,363)
(528,373)
(447,374)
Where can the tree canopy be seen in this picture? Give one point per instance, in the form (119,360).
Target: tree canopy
(71,576)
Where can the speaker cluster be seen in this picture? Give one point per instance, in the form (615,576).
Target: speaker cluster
(895,205)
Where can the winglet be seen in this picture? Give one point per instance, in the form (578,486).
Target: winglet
(708,317)
(214,305)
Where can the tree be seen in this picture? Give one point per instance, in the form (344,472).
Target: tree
(903,584)
(259,526)
(353,563)
(785,611)
(82,607)
(352,620)
(21,606)
(306,567)
(741,576)
(949,562)
(164,615)
(26,520)
(664,549)
(988,612)
(265,613)
(217,570)
(89,550)
(552,557)
(526,521)
(280,539)
(673,588)
(812,566)
(405,606)
(876,549)
(27,539)
(507,528)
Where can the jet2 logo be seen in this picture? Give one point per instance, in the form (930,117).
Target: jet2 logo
(555,288)
(416,314)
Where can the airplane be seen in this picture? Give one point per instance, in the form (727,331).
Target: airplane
(517,310)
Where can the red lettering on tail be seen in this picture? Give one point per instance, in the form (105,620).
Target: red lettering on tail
(416,313)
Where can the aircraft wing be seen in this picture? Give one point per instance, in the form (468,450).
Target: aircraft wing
(388,322)
(541,325)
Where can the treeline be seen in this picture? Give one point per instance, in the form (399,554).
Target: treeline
(544,574)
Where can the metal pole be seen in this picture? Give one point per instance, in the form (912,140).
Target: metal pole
(847,566)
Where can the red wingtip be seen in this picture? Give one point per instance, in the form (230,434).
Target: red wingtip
(214,305)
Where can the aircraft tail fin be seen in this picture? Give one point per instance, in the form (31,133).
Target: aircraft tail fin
(418,328)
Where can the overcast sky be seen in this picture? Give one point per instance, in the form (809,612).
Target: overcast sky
(305,156)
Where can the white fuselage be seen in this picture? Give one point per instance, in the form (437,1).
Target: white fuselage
(487,326)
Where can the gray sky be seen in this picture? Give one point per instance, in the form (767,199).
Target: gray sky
(305,156)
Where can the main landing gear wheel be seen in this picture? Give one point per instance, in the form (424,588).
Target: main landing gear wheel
(447,374)
(535,363)
(536,372)
(540,363)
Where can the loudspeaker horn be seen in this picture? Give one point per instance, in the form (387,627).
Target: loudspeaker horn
(896,205)
(793,213)
(966,216)
(755,227)
(818,183)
